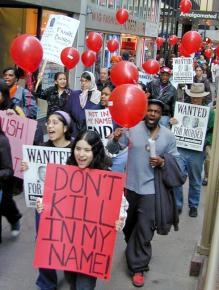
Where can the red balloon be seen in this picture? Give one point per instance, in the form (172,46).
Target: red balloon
(112,45)
(182,51)
(151,66)
(173,39)
(159,41)
(185,6)
(208,40)
(88,58)
(94,41)
(192,41)
(128,105)
(26,52)
(217,50)
(124,72)
(208,53)
(122,15)
(70,57)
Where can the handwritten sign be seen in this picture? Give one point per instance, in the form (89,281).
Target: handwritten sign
(19,131)
(37,158)
(101,122)
(191,128)
(60,33)
(77,227)
(183,70)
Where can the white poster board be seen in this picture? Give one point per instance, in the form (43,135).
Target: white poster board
(183,70)
(145,78)
(192,124)
(60,33)
(101,122)
(37,158)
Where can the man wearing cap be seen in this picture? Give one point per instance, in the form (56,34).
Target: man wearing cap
(162,89)
(141,186)
(192,160)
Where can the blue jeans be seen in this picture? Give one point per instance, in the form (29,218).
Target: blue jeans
(79,281)
(119,161)
(47,279)
(191,163)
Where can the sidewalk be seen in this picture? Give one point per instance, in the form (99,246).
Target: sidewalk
(169,267)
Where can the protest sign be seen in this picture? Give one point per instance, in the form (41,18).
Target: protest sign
(19,131)
(101,122)
(37,158)
(144,78)
(59,33)
(77,227)
(183,70)
(191,128)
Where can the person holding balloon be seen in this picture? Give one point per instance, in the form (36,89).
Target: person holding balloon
(88,97)
(57,95)
(152,160)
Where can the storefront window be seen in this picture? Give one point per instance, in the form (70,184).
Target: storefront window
(111,4)
(141,7)
(130,6)
(102,2)
(145,11)
(107,53)
(119,4)
(125,4)
(136,8)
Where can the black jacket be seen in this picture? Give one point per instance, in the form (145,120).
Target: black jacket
(167,94)
(165,180)
(6,167)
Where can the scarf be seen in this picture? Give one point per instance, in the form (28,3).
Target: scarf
(95,94)
(12,91)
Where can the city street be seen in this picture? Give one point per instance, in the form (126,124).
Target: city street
(169,267)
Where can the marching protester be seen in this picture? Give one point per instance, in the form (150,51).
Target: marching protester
(6,103)
(57,95)
(59,132)
(87,152)
(162,89)
(149,183)
(20,97)
(104,78)
(192,160)
(8,206)
(88,97)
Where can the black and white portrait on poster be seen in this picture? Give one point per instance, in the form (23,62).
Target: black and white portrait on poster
(37,158)
(183,70)
(191,127)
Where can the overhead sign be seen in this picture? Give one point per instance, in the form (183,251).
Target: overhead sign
(197,14)
(60,33)
(77,227)
(183,70)
(191,128)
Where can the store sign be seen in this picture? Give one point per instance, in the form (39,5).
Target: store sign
(60,32)
(100,19)
(195,14)
(128,45)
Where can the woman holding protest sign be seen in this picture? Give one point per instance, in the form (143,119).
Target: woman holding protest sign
(57,95)
(8,207)
(59,131)
(87,152)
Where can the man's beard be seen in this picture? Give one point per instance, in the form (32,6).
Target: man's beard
(151,126)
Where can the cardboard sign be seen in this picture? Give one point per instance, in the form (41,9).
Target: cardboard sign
(77,227)
(37,158)
(101,122)
(183,70)
(19,131)
(192,124)
(59,33)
